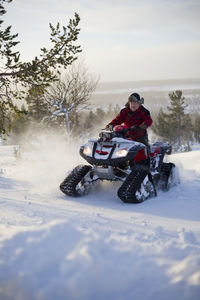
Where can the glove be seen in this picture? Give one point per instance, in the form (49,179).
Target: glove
(109,127)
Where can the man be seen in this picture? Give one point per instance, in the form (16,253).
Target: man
(134,115)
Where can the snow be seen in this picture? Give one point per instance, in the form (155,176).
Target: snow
(95,247)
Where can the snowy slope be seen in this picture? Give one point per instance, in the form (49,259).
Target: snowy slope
(95,247)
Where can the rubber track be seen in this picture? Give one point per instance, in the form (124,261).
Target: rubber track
(131,185)
(68,186)
(164,175)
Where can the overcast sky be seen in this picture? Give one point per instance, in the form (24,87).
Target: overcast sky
(122,40)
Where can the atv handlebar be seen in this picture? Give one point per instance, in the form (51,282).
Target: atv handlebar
(110,133)
(124,130)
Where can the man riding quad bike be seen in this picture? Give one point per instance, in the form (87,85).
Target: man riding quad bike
(116,156)
(136,117)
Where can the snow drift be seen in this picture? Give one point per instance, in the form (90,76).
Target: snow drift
(96,247)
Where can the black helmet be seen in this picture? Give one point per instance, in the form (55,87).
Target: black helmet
(136,97)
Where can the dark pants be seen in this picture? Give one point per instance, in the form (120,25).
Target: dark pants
(144,140)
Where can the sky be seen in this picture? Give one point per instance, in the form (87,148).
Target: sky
(122,40)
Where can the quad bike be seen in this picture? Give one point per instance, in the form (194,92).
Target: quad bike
(114,157)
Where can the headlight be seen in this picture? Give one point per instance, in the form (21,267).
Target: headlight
(87,150)
(121,152)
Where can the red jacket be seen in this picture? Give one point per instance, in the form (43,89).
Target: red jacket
(136,118)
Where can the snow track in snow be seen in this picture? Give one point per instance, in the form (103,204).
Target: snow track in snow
(96,247)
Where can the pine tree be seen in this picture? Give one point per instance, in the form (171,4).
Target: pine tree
(175,126)
(39,72)
(161,127)
(197,129)
(20,123)
(177,115)
(38,108)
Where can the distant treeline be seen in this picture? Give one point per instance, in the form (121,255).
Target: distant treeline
(173,125)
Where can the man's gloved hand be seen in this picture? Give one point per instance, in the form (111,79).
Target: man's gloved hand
(109,127)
